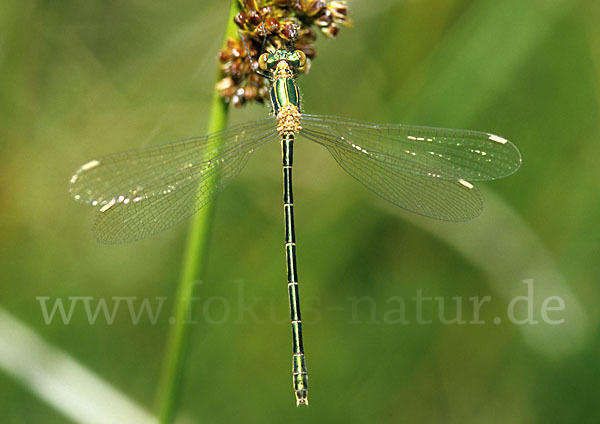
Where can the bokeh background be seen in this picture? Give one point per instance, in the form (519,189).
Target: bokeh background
(82,79)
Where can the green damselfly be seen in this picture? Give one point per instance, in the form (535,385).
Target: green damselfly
(425,170)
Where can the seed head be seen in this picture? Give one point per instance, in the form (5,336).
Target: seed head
(268,25)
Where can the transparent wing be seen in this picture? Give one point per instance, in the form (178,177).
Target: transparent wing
(443,153)
(141,192)
(432,197)
(423,170)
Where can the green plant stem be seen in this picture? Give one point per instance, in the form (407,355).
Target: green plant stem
(193,270)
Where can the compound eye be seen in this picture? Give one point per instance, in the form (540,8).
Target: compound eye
(262,61)
(302,57)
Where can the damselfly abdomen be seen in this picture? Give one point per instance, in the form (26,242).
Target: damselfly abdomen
(425,170)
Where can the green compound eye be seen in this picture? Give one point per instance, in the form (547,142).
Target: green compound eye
(267,61)
(298,59)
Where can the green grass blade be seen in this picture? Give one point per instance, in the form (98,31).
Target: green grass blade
(193,270)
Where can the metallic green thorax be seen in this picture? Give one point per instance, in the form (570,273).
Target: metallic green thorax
(284,90)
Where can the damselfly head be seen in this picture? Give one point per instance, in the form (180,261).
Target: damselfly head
(268,61)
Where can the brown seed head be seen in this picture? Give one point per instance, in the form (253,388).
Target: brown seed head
(268,25)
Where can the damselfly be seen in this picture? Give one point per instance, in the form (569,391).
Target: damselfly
(425,170)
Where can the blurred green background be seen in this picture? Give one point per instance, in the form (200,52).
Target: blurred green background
(82,79)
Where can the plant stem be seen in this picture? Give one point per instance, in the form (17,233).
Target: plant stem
(193,270)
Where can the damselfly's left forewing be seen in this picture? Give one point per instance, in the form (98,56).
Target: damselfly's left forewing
(425,170)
